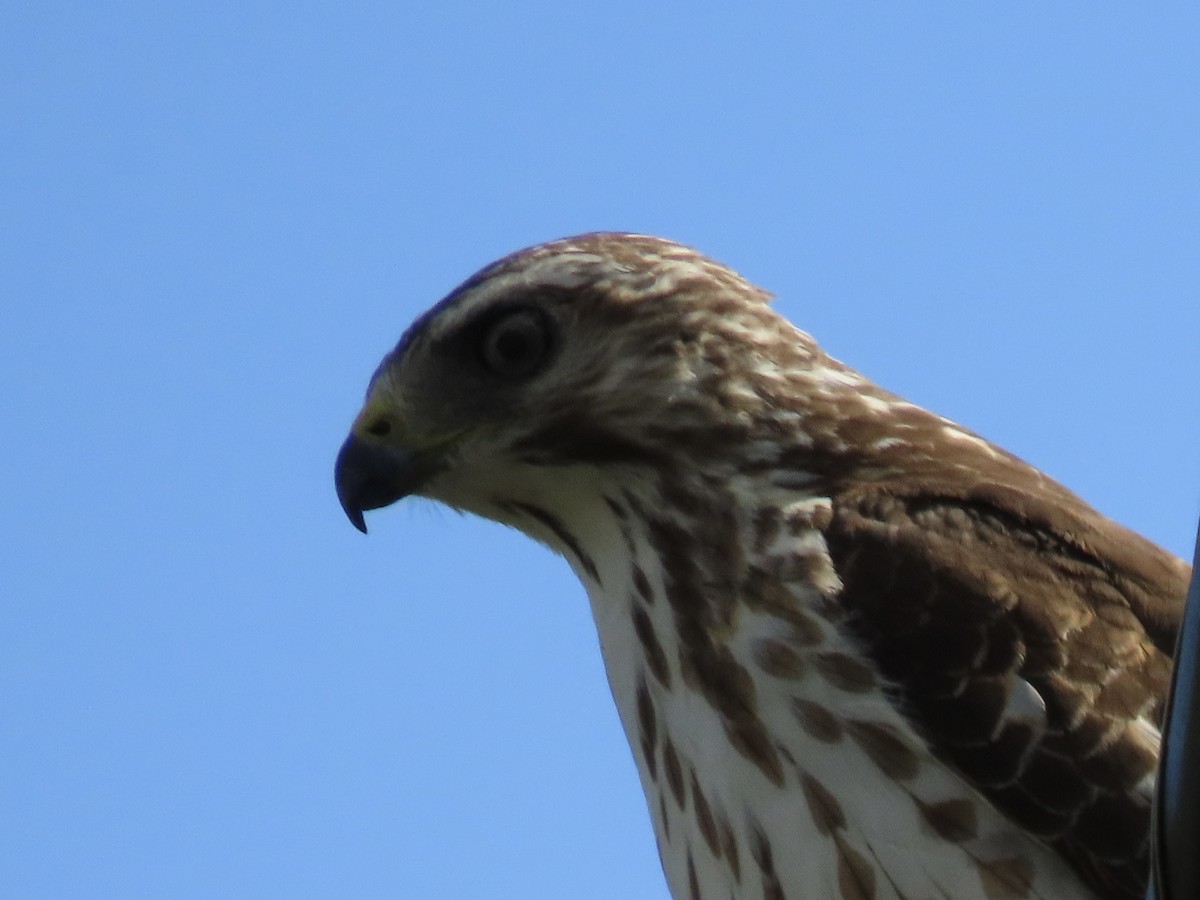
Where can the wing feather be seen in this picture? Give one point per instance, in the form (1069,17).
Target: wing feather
(1029,639)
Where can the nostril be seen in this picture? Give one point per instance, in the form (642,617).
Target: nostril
(380,428)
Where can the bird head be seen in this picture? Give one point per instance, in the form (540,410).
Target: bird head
(571,359)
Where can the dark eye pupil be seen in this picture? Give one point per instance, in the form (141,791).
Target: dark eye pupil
(516,344)
(513,344)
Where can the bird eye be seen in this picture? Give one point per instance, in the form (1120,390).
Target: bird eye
(516,344)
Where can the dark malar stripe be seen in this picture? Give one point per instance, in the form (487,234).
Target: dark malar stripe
(553,523)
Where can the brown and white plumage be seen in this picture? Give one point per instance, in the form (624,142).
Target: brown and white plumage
(858,651)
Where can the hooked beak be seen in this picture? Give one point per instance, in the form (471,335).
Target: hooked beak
(370,475)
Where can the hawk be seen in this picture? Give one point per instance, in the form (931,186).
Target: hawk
(859,651)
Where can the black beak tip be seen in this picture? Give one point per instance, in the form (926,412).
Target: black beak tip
(356,518)
(369,476)
(348,481)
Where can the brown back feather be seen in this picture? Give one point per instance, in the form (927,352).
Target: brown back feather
(959,585)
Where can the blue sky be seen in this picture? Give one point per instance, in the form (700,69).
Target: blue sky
(216,218)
